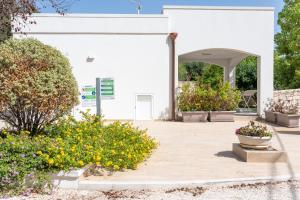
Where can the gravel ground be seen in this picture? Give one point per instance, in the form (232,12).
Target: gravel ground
(258,191)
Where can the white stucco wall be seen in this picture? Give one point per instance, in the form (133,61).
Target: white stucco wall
(133,50)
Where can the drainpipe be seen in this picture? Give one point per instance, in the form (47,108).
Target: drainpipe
(173,37)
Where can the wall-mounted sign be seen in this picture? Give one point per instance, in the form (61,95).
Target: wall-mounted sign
(88,96)
(107,88)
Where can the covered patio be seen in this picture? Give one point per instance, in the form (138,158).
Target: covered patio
(225,36)
(228,59)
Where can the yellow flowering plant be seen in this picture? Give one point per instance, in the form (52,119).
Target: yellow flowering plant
(115,146)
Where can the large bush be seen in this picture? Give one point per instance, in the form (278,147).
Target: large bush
(36,85)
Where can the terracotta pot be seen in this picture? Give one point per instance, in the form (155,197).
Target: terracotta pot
(271,116)
(254,142)
(195,116)
(288,120)
(221,116)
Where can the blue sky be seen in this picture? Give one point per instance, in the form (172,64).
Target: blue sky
(155,6)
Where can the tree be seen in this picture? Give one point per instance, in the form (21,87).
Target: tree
(14,13)
(36,85)
(190,71)
(212,75)
(246,74)
(287,62)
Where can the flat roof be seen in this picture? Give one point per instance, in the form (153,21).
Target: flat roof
(168,7)
(89,15)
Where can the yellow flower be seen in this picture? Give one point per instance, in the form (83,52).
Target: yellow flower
(50,161)
(80,162)
(116,167)
(39,152)
(109,163)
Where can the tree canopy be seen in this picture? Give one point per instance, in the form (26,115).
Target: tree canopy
(36,85)
(287,57)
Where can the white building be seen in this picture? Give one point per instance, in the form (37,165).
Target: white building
(141,52)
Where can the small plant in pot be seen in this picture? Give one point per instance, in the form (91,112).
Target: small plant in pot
(289,113)
(192,102)
(224,103)
(271,111)
(254,136)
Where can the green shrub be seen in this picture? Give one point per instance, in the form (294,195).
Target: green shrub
(36,85)
(203,97)
(195,97)
(19,162)
(226,98)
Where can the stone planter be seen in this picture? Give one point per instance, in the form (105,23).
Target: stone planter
(271,116)
(68,180)
(195,116)
(221,116)
(288,120)
(254,142)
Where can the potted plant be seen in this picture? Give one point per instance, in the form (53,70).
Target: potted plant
(224,102)
(254,136)
(271,111)
(192,103)
(289,114)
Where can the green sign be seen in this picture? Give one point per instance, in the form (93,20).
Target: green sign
(107,88)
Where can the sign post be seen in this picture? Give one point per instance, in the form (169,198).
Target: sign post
(98,96)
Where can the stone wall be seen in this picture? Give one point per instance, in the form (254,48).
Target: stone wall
(287,95)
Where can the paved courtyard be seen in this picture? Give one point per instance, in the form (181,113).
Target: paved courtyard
(202,151)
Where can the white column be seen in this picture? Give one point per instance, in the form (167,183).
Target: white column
(264,81)
(229,75)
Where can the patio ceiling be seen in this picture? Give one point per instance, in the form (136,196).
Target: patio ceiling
(222,57)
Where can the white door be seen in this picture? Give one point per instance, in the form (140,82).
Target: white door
(143,107)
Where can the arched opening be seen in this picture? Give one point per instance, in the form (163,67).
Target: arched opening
(215,65)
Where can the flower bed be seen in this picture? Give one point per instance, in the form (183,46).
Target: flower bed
(67,145)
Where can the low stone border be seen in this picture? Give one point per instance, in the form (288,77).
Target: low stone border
(68,180)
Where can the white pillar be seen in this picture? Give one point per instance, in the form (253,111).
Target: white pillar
(229,75)
(264,81)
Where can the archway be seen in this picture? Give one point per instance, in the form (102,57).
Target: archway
(229,60)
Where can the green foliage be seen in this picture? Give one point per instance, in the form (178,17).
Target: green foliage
(20,167)
(254,130)
(203,72)
(246,74)
(226,98)
(36,85)
(212,75)
(190,71)
(287,62)
(195,97)
(203,97)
